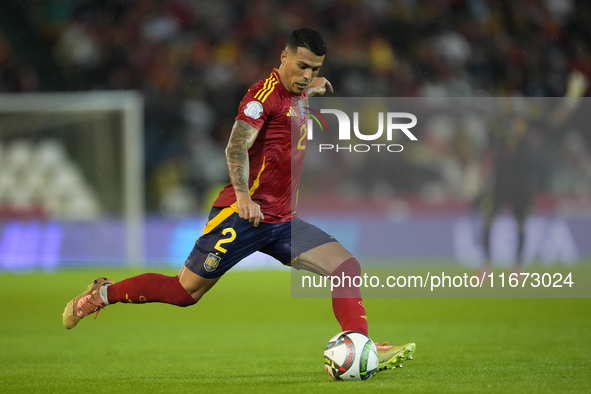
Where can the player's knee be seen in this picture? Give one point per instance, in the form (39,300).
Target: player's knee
(195,294)
(198,290)
(195,298)
(341,258)
(195,285)
(349,267)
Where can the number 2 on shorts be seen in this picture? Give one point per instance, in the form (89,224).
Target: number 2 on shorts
(218,245)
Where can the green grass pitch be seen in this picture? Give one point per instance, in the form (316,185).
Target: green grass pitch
(249,336)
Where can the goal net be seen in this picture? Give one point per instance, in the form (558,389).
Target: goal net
(74,157)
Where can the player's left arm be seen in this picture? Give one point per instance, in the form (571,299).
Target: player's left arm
(319,86)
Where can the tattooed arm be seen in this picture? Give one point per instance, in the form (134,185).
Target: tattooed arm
(241,139)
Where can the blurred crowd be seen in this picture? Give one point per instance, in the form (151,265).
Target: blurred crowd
(15,75)
(194,60)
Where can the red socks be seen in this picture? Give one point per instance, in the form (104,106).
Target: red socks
(346,298)
(150,288)
(347,303)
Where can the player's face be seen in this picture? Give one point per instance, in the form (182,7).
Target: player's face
(299,68)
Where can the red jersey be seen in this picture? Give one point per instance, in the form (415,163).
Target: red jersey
(277,155)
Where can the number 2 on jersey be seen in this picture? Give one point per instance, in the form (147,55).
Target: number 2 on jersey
(304,133)
(218,245)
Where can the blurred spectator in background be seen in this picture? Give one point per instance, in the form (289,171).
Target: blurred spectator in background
(15,76)
(515,174)
(513,178)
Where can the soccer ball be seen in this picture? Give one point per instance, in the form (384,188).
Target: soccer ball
(350,355)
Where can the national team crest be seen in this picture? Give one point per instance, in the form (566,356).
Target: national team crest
(211,262)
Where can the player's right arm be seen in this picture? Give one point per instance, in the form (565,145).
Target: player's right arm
(241,139)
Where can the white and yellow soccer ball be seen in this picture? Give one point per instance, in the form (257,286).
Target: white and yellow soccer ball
(350,355)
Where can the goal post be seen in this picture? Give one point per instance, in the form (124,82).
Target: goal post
(59,107)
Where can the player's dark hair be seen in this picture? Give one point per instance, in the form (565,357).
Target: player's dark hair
(309,39)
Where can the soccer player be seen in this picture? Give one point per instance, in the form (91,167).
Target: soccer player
(256,211)
(512,151)
(513,181)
